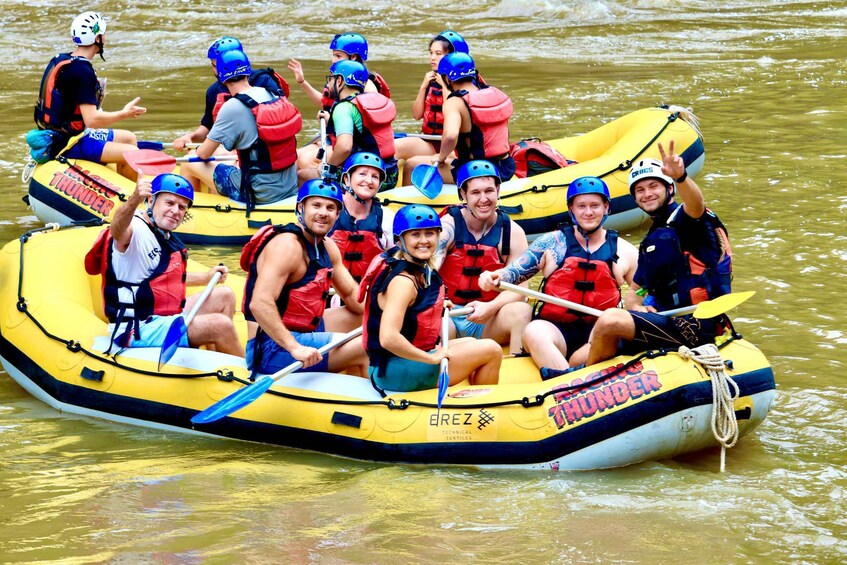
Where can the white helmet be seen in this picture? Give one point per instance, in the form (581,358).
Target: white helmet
(648,169)
(86,27)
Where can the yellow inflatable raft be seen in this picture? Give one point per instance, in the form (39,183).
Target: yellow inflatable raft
(626,410)
(68,190)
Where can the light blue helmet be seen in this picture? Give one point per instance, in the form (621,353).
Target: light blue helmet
(364,159)
(456,41)
(225,43)
(456,66)
(174,184)
(474,169)
(350,43)
(232,64)
(323,188)
(354,73)
(415,217)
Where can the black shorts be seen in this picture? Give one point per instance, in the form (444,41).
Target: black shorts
(655,331)
(576,335)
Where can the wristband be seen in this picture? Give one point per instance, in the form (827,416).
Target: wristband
(682,178)
(641,292)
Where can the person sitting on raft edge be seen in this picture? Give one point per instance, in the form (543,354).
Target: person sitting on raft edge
(404,303)
(143,267)
(684,259)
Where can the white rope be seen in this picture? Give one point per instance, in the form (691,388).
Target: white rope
(724,424)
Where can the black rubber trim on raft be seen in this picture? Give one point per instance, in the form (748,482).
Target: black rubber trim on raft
(565,442)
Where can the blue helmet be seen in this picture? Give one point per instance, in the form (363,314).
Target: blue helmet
(174,184)
(232,64)
(474,169)
(350,43)
(364,159)
(456,41)
(588,185)
(456,66)
(415,217)
(225,43)
(354,73)
(323,188)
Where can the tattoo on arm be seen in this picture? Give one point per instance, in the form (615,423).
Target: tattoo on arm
(524,267)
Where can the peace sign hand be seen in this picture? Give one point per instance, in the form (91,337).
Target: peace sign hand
(672,164)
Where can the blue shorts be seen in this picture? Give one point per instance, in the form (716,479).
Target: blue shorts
(404,375)
(153,331)
(90,145)
(465,328)
(655,331)
(227,180)
(269,357)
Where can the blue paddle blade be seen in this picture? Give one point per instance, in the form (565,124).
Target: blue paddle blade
(234,402)
(427,179)
(443,383)
(172,339)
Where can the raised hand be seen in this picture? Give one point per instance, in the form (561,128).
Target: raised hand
(672,164)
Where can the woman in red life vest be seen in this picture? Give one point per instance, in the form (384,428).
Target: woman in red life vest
(404,302)
(427,104)
(363,229)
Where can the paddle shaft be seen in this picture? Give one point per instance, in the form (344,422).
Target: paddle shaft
(577,306)
(322,150)
(206,292)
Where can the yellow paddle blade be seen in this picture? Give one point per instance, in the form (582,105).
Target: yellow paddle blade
(721,304)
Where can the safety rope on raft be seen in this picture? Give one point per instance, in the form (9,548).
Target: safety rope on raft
(724,424)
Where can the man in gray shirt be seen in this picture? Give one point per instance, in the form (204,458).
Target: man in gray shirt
(261,127)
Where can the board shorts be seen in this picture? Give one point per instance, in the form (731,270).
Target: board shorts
(466,328)
(90,146)
(265,356)
(152,331)
(404,375)
(655,331)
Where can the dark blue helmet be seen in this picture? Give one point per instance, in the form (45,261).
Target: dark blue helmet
(174,184)
(232,64)
(456,41)
(456,66)
(350,43)
(415,217)
(474,169)
(223,44)
(588,185)
(323,188)
(354,73)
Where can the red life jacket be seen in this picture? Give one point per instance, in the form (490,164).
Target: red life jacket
(49,110)
(422,321)
(377,114)
(533,157)
(490,110)
(301,303)
(358,240)
(432,121)
(470,257)
(278,122)
(381,86)
(162,293)
(583,277)
(266,78)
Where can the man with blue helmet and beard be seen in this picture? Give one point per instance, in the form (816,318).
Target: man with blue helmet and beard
(290,271)
(143,266)
(583,263)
